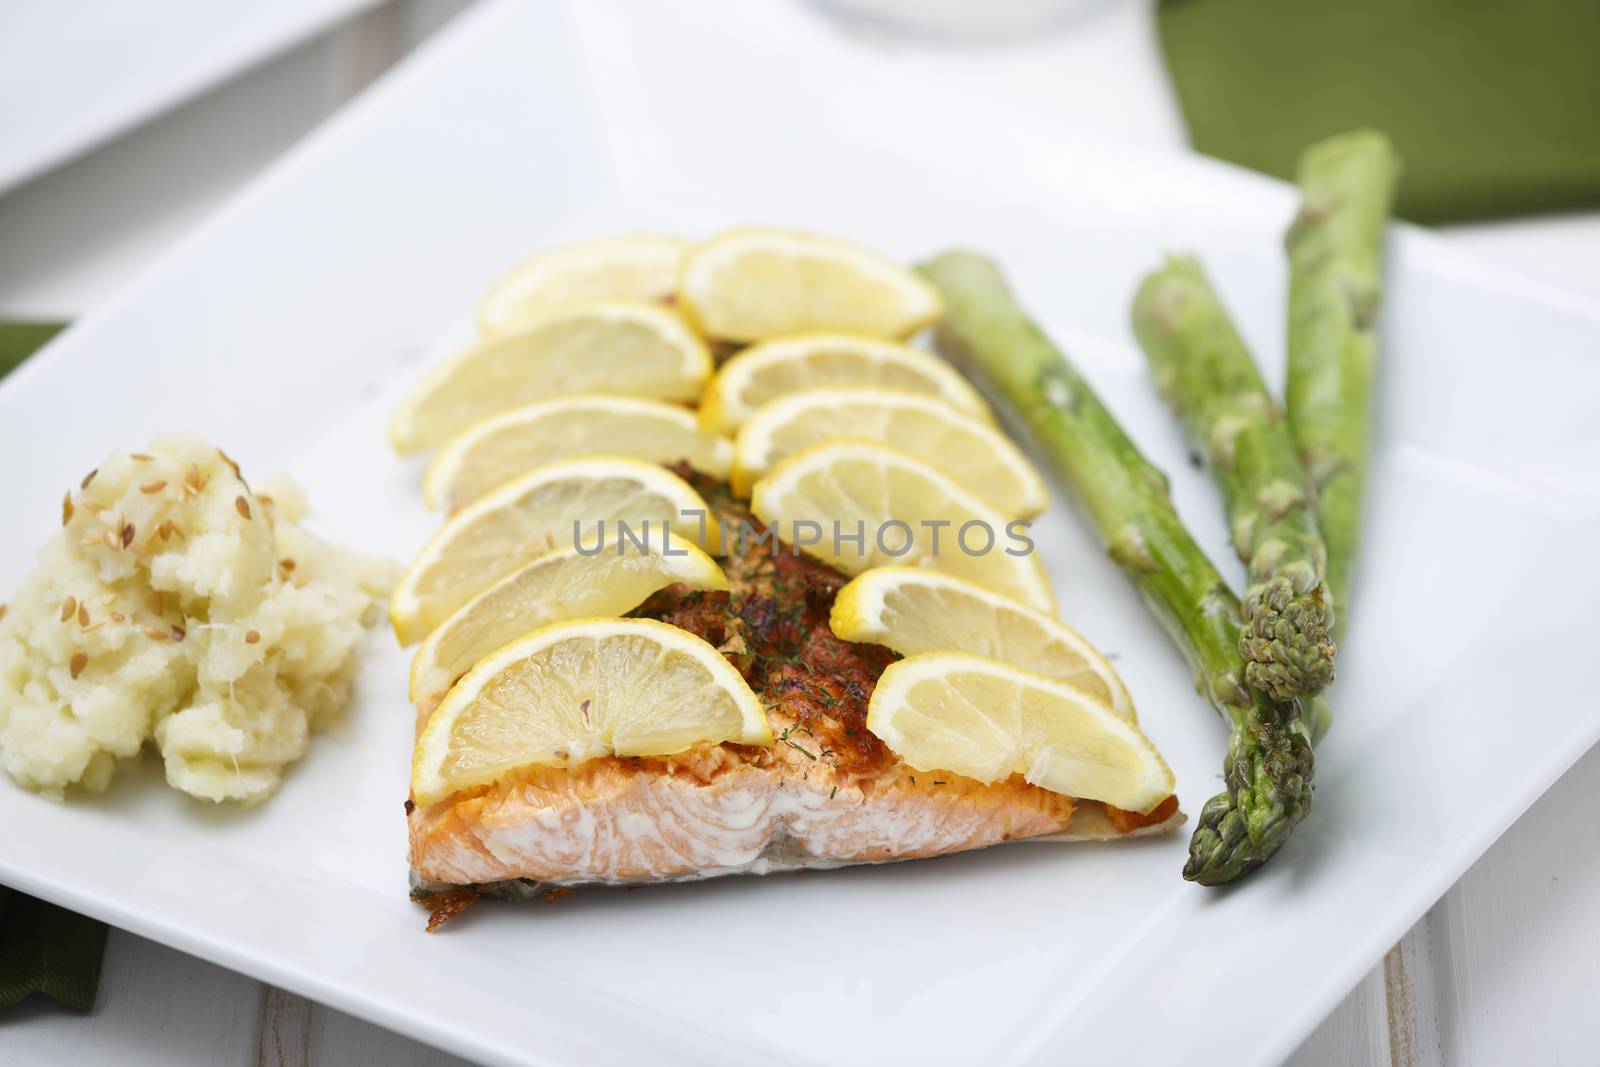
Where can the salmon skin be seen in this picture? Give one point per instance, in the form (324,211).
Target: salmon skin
(828,793)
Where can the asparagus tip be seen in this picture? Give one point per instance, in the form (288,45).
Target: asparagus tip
(1288,639)
(1269,786)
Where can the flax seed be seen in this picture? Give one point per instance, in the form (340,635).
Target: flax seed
(156,633)
(242,506)
(66,509)
(83,616)
(69,608)
(154,485)
(80,660)
(251,637)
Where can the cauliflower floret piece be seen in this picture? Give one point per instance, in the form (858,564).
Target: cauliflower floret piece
(177,605)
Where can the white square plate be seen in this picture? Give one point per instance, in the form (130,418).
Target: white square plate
(285,329)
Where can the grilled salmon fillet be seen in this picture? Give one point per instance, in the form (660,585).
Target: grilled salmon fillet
(828,793)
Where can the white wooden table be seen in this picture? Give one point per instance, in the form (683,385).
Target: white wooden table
(1503,969)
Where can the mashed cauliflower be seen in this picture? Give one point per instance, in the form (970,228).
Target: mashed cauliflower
(177,605)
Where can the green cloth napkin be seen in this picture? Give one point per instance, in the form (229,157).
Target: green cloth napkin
(43,948)
(49,950)
(19,339)
(1493,104)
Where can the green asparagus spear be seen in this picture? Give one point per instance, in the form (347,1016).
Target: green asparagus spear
(1268,771)
(1205,373)
(1335,247)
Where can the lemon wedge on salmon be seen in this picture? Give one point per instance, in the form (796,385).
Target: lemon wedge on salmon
(751,284)
(503,446)
(566,584)
(888,508)
(987,720)
(614,346)
(559,505)
(970,451)
(575,691)
(641,267)
(915,610)
(767,371)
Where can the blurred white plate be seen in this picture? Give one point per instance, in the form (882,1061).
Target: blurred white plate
(76,74)
(285,329)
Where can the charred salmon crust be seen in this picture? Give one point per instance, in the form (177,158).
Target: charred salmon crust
(828,793)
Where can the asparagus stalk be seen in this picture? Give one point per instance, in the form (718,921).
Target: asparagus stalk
(1335,249)
(1268,772)
(1205,373)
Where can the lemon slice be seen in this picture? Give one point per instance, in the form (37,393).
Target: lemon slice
(913,610)
(906,512)
(503,446)
(559,505)
(968,450)
(566,584)
(575,691)
(764,372)
(615,346)
(986,720)
(612,268)
(750,284)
